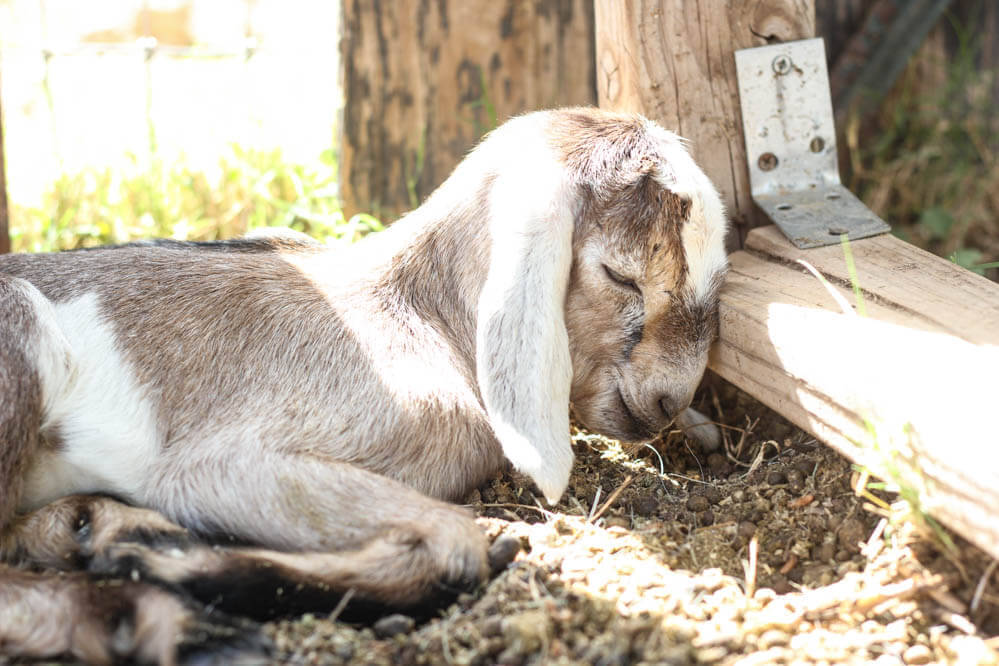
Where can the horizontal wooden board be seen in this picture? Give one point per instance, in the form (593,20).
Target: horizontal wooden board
(920,370)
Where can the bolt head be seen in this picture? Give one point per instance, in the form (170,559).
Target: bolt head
(781,64)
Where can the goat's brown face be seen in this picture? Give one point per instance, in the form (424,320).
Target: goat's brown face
(639,315)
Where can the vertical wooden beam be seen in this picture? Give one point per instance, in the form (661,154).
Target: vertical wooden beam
(424,80)
(672,61)
(4,220)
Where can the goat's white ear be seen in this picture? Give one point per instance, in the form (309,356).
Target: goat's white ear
(522,349)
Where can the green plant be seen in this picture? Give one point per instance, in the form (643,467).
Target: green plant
(928,160)
(885,443)
(247,189)
(484,102)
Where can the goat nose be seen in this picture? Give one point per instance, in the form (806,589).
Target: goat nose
(672,406)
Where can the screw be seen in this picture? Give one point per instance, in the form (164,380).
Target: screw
(767,162)
(817,144)
(782,64)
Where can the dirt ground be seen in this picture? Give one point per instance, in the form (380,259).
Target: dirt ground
(757,553)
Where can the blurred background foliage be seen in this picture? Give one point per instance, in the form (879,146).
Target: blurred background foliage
(927,159)
(184,145)
(247,190)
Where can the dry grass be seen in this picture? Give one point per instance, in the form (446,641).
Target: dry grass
(928,160)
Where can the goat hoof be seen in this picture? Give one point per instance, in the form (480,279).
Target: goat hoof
(214,638)
(501,553)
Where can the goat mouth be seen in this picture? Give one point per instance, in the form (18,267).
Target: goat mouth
(636,429)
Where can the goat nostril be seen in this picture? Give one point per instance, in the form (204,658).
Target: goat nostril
(665,405)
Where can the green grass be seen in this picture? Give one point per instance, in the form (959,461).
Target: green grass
(928,161)
(248,189)
(885,442)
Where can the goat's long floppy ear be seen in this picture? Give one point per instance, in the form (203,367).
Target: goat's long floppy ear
(522,348)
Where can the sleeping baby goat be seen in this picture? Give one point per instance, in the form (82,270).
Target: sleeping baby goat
(317,408)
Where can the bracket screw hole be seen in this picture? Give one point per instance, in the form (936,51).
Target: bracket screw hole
(838,231)
(832,195)
(817,144)
(767,162)
(784,206)
(781,64)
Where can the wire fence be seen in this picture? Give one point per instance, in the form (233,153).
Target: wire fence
(74,104)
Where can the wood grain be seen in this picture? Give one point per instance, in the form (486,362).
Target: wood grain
(424,80)
(4,227)
(919,369)
(672,60)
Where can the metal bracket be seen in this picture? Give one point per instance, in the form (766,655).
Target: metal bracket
(787,119)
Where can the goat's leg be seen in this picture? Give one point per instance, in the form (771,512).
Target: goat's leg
(112,539)
(34,360)
(388,542)
(97,618)
(45,615)
(68,533)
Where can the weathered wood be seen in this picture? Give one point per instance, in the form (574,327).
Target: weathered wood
(672,61)
(4,219)
(908,390)
(424,80)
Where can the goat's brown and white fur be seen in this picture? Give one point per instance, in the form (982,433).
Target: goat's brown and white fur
(305,399)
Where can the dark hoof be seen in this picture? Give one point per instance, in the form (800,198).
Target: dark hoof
(501,553)
(215,638)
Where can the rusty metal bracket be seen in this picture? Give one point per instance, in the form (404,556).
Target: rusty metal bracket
(787,120)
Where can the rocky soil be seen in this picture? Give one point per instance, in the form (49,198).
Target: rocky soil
(760,552)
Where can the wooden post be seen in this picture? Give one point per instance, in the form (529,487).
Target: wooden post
(424,80)
(672,61)
(4,220)
(905,388)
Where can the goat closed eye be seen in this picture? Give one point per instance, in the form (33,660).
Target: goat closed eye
(622,281)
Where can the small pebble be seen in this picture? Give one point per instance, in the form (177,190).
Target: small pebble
(393,625)
(617,521)
(492,626)
(719,464)
(713,494)
(776,477)
(746,529)
(796,480)
(698,503)
(645,505)
(782,586)
(773,637)
(850,534)
(706,518)
(917,655)
(527,631)
(806,467)
(824,552)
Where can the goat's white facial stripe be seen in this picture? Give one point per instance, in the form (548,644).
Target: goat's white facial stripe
(106,421)
(703,234)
